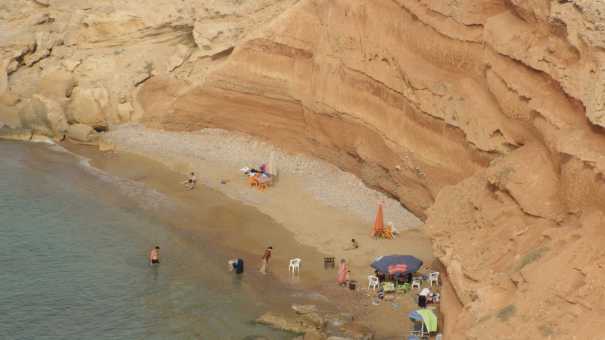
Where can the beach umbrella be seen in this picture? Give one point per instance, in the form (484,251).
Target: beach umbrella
(378,222)
(415,316)
(397,265)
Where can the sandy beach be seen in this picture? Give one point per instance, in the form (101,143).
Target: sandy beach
(312,211)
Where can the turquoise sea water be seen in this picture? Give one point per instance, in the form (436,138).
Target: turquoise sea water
(73,261)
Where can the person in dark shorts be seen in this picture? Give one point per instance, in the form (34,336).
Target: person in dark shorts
(154,255)
(237,265)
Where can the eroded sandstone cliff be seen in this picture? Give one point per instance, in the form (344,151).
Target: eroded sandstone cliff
(485,117)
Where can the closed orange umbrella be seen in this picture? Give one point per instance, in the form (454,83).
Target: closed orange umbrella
(379,222)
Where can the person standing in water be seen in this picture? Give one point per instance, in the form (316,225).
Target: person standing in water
(154,255)
(266,257)
(237,265)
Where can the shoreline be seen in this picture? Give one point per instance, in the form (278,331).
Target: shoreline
(308,220)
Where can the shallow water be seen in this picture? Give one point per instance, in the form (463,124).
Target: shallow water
(73,261)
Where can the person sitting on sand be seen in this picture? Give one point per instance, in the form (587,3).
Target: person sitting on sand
(354,245)
(343,269)
(154,255)
(190,182)
(266,257)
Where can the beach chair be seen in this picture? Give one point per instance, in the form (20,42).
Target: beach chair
(373,282)
(434,278)
(416,284)
(294,266)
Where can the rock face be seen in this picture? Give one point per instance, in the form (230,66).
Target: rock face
(485,117)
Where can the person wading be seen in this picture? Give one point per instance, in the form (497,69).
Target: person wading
(266,257)
(154,255)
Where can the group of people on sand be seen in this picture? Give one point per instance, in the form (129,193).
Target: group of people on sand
(236,264)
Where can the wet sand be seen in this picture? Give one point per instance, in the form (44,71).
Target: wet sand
(307,228)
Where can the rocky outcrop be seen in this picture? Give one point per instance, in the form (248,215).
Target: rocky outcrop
(93,57)
(81,133)
(484,117)
(316,324)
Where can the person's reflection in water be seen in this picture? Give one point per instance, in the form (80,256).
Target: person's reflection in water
(236,265)
(237,281)
(155,270)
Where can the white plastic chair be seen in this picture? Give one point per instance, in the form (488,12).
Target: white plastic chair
(294,265)
(434,277)
(416,284)
(373,282)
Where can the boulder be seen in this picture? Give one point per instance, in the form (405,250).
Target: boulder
(51,112)
(284,323)
(56,84)
(15,134)
(86,106)
(43,115)
(125,111)
(81,132)
(38,138)
(315,319)
(32,114)
(314,335)
(305,309)
(9,115)
(45,41)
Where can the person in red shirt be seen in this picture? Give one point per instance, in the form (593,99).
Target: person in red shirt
(266,257)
